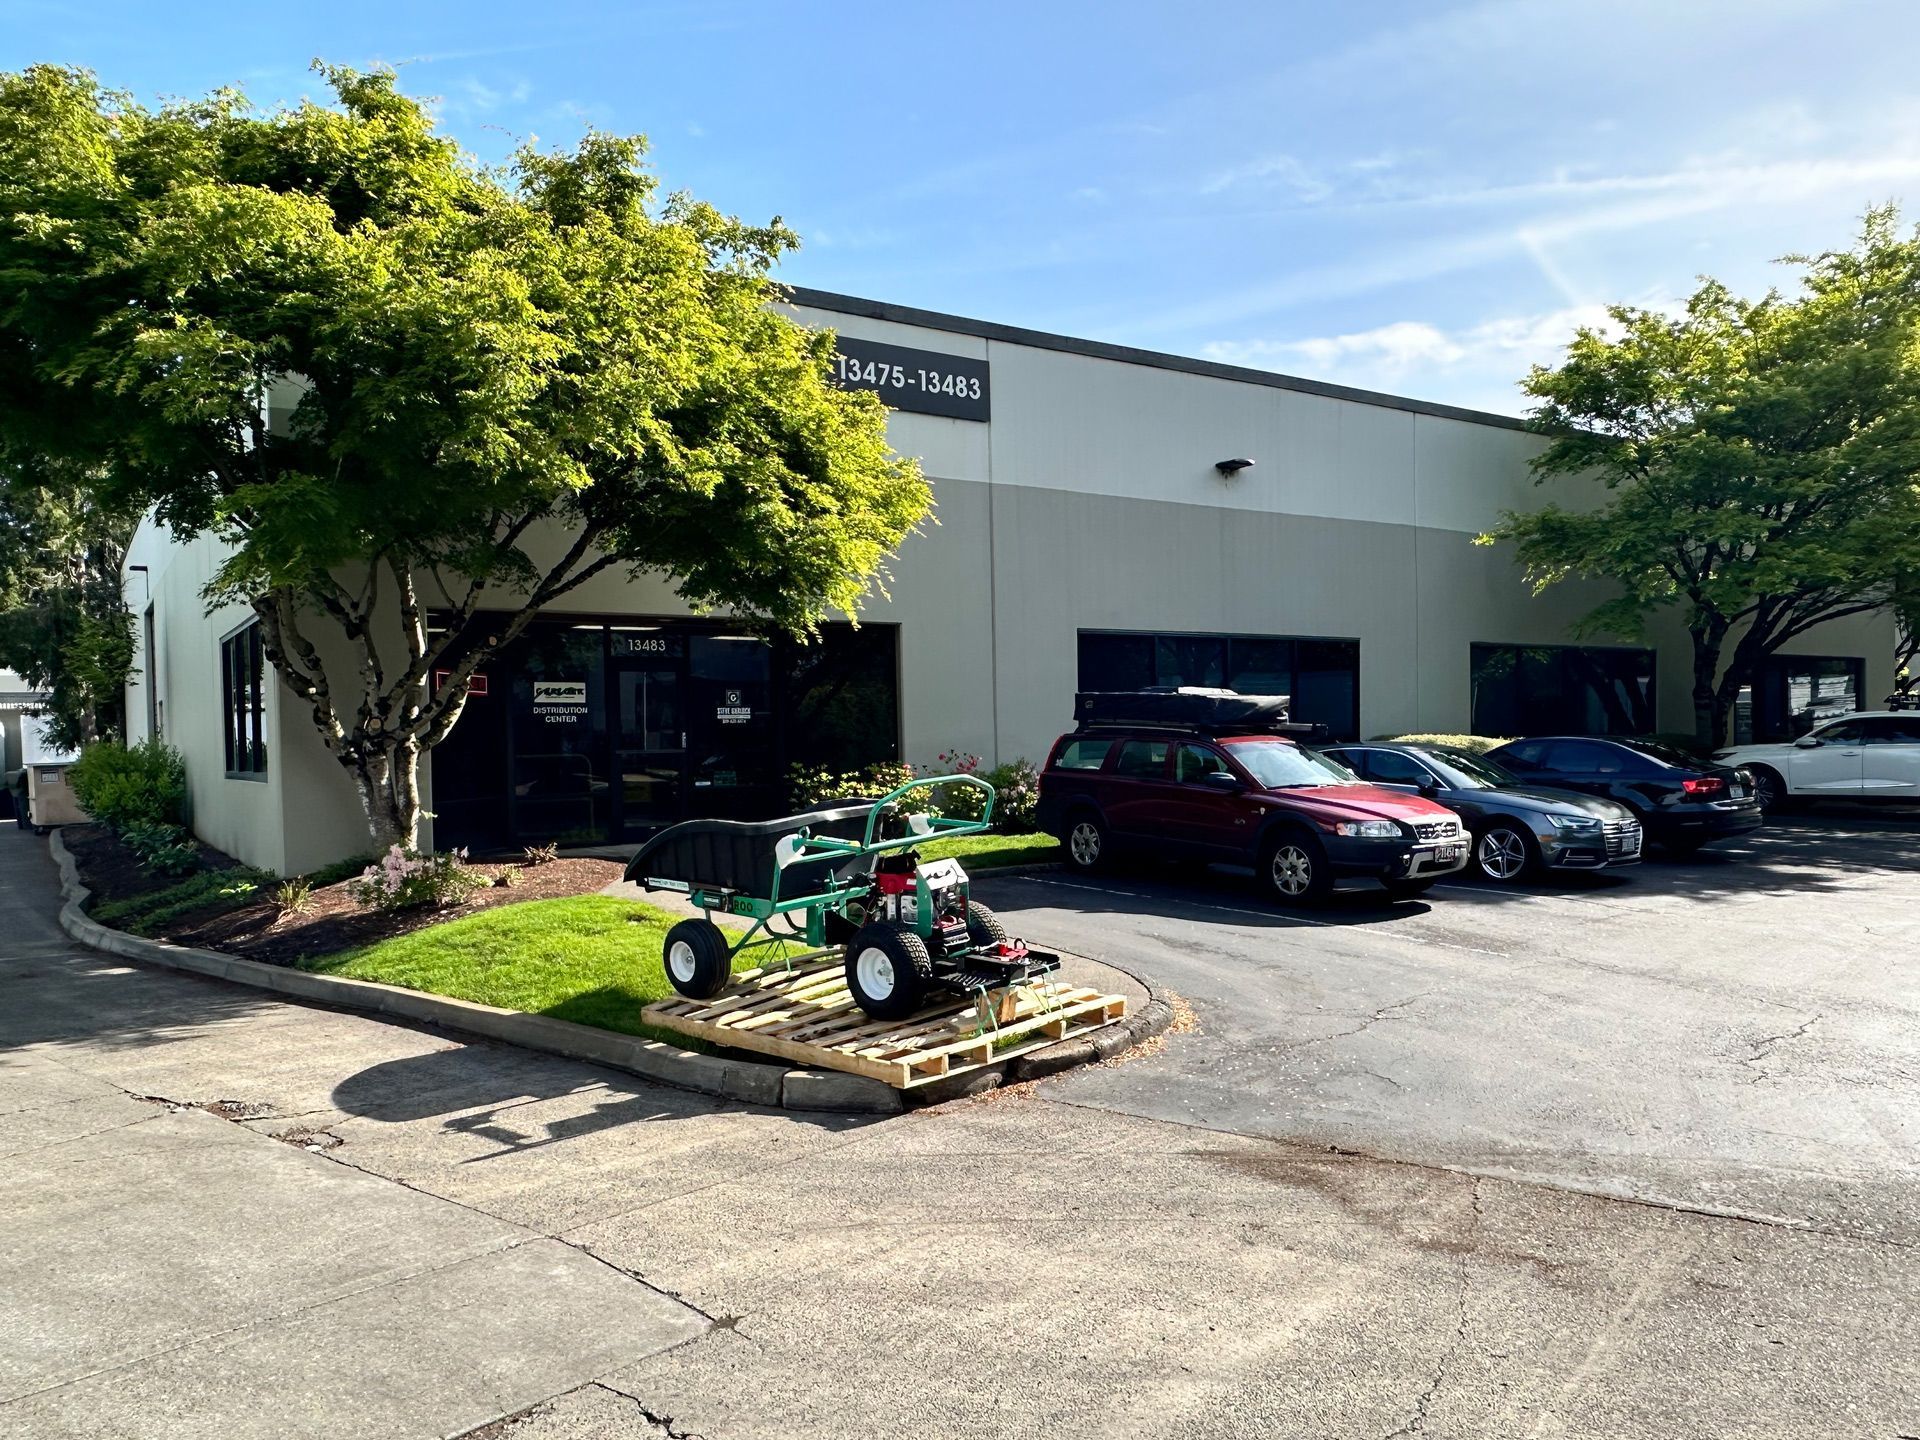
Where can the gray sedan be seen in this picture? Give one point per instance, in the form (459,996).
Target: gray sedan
(1519,830)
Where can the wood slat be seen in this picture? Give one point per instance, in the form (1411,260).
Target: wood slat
(802,1011)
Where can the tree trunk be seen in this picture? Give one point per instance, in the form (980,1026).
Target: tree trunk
(1709,711)
(388,782)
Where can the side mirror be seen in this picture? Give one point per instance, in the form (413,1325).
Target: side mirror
(1808,742)
(1430,789)
(1223,780)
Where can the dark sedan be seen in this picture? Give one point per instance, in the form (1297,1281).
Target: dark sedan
(1683,802)
(1518,830)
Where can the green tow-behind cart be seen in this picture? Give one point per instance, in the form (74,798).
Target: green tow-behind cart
(847,876)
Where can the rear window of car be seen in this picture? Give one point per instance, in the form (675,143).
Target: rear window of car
(1082,755)
(1142,759)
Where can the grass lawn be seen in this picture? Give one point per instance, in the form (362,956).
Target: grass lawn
(581,958)
(983,852)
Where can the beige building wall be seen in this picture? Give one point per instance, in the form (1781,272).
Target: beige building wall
(1090,501)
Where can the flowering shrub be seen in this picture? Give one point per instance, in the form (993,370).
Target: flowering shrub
(403,878)
(1016,788)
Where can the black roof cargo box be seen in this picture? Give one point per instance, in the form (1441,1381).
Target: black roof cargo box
(1187,708)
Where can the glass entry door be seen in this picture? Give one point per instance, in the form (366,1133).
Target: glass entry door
(650,729)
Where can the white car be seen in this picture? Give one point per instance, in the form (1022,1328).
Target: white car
(1873,754)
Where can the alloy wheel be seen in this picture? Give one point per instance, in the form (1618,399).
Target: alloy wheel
(1502,854)
(1292,870)
(1765,791)
(1084,843)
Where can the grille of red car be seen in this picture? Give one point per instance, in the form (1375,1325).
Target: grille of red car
(1437,829)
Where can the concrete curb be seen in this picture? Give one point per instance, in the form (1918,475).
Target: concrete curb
(744,1080)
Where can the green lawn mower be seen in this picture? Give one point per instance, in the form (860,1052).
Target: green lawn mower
(849,877)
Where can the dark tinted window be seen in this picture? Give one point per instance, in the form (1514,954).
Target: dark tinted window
(842,706)
(1892,730)
(1083,755)
(1794,693)
(1142,759)
(1526,755)
(1666,754)
(1390,767)
(1576,689)
(1194,763)
(1584,757)
(1321,676)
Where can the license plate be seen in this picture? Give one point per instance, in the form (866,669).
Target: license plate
(1739,792)
(1632,846)
(1447,854)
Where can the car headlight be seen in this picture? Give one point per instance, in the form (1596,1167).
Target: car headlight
(1573,822)
(1367,829)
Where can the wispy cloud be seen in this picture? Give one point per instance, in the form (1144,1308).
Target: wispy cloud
(1268,171)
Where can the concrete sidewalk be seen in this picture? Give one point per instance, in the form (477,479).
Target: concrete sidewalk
(477,1231)
(166,1271)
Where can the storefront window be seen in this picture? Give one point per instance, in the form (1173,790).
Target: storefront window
(842,707)
(1322,676)
(1797,692)
(561,789)
(1562,690)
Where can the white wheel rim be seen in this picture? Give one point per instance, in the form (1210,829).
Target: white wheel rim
(1292,870)
(875,972)
(1502,855)
(1085,843)
(680,962)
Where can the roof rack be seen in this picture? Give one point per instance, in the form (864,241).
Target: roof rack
(1192,709)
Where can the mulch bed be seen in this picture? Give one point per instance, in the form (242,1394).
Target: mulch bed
(334,921)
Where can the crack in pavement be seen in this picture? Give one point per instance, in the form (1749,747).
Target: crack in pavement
(1385,1012)
(664,1423)
(1416,1423)
(1765,1048)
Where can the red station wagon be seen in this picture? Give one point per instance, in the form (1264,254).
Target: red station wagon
(1236,792)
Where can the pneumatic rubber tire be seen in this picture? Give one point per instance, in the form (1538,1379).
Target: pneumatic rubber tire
(888,969)
(1294,869)
(1086,843)
(1504,853)
(1770,791)
(696,959)
(983,927)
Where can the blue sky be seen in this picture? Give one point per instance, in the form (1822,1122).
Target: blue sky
(1416,198)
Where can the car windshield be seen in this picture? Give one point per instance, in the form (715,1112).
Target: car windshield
(1280,766)
(1467,771)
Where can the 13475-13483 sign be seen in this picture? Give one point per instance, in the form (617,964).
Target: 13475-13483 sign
(925,381)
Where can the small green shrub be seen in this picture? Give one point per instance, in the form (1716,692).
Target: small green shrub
(162,849)
(293,897)
(121,785)
(1478,744)
(541,854)
(816,785)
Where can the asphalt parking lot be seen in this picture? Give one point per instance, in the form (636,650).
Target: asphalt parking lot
(1734,1032)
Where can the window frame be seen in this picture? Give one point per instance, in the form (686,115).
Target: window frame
(243,702)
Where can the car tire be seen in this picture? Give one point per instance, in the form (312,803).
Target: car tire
(1087,845)
(983,926)
(1505,853)
(1409,889)
(1770,790)
(696,959)
(1294,870)
(888,969)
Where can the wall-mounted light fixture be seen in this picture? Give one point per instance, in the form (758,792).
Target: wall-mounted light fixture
(1230,468)
(146,578)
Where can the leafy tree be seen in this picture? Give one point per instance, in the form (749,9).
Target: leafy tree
(63,624)
(504,382)
(1760,460)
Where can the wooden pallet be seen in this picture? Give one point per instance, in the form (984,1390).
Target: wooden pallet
(801,1011)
